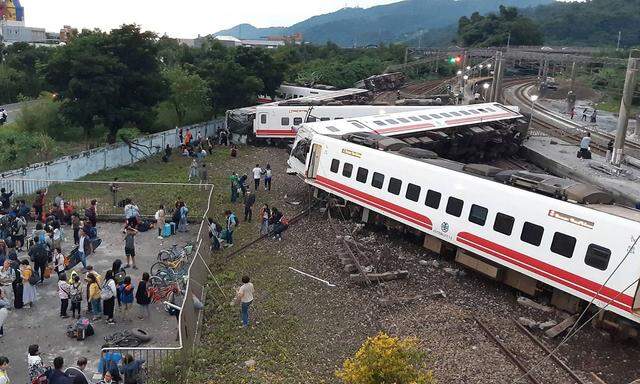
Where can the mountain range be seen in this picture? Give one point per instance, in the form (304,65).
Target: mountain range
(394,22)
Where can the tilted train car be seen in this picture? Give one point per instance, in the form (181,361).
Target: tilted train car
(553,231)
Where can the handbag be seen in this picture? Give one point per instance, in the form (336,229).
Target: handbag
(105,292)
(47,272)
(34,278)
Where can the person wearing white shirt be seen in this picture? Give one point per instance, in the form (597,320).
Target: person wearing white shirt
(244,296)
(257,174)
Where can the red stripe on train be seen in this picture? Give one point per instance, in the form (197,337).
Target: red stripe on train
(397,210)
(568,279)
(274,132)
(478,118)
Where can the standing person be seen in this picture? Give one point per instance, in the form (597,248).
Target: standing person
(58,235)
(35,366)
(64,291)
(180,136)
(249,201)
(267,178)
(279,222)
(76,296)
(193,170)
(131,370)
(108,296)
(28,290)
(167,154)
(130,246)
(187,137)
(58,261)
(59,200)
(232,222)
(17,286)
(76,374)
(8,277)
(94,296)
(242,182)
(91,213)
(131,213)
(39,255)
(609,153)
(114,188)
(75,225)
(265,214)
(257,174)
(142,297)
(4,367)
(19,231)
(84,248)
(594,116)
(5,199)
(235,187)
(160,217)
(584,114)
(38,204)
(214,234)
(244,296)
(204,174)
(183,223)
(585,152)
(4,311)
(125,291)
(57,375)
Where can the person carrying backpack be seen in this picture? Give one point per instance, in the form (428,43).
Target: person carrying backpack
(75,296)
(108,365)
(232,223)
(29,279)
(131,370)
(125,294)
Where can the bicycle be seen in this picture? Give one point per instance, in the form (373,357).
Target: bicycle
(173,265)
(175,254)
(127,338)
(162,293)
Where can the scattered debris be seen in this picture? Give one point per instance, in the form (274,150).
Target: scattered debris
(439,293)
(250,364)
(527,322)
(598,380)
(561,327)
(429,263)
(377,277)
(388,301)
(547,324)
(532,304)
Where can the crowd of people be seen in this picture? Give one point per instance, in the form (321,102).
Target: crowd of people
(29,258)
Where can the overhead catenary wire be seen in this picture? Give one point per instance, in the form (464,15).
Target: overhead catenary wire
(573,331)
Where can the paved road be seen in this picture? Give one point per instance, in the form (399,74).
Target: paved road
(13,109)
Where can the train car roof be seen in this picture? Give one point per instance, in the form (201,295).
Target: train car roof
(325,96)
(427,119)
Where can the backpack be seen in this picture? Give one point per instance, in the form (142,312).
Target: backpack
(41,238)
(93,233)
(235,218)
(34,278)
(41,379)
(284,221)
(105,292)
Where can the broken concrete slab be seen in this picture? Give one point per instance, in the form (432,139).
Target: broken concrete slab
(561,327)
(525,301)
(527,322)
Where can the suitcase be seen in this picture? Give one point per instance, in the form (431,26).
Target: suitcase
(166,230)
(173,228)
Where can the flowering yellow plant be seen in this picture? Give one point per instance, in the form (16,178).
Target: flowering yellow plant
(386,360)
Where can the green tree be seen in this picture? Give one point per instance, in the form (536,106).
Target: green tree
(188,93)
(494,29)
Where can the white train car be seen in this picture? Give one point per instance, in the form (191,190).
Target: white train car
(287,92)
(282,121)
(584,250)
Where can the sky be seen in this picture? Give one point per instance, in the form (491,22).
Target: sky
(178,18)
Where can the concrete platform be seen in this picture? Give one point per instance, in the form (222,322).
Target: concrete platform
(43,325)
(560,159)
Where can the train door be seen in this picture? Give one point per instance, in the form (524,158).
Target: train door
(314,161)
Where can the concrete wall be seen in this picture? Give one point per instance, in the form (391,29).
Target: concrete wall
(75,166)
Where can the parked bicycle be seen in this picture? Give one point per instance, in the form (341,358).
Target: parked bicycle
(162,291)
(127,338)
(174,253)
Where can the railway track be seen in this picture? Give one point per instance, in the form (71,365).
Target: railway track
(525,350)
(550,123)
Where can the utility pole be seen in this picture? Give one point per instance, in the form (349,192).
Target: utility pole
(619,38)
(498,73)
(508,40)
(406,55)
(625,108)
(573,77)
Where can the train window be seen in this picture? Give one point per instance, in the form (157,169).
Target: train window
(403,120)
(391,121)
(503,224)
(482,110)
(338,118)
(297,120)
(311,119)
(394,186)
(455,113)
(413,192)
(425,117)
(335,164)
(490,110)
(563,245)
(465,112)
(377,180)
(474,111)
(435,116)
(531,233)
(347,170)
(285,121)
(454,206)
(333,129)
(478,214)
(414,118)
(380,123)
(263,118)
(597,257)
(324,119)
(358,124)
(433,199)
(445,114)
(362,174)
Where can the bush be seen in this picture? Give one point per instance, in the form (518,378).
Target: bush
(19,149)
(384,360)
(43,116)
